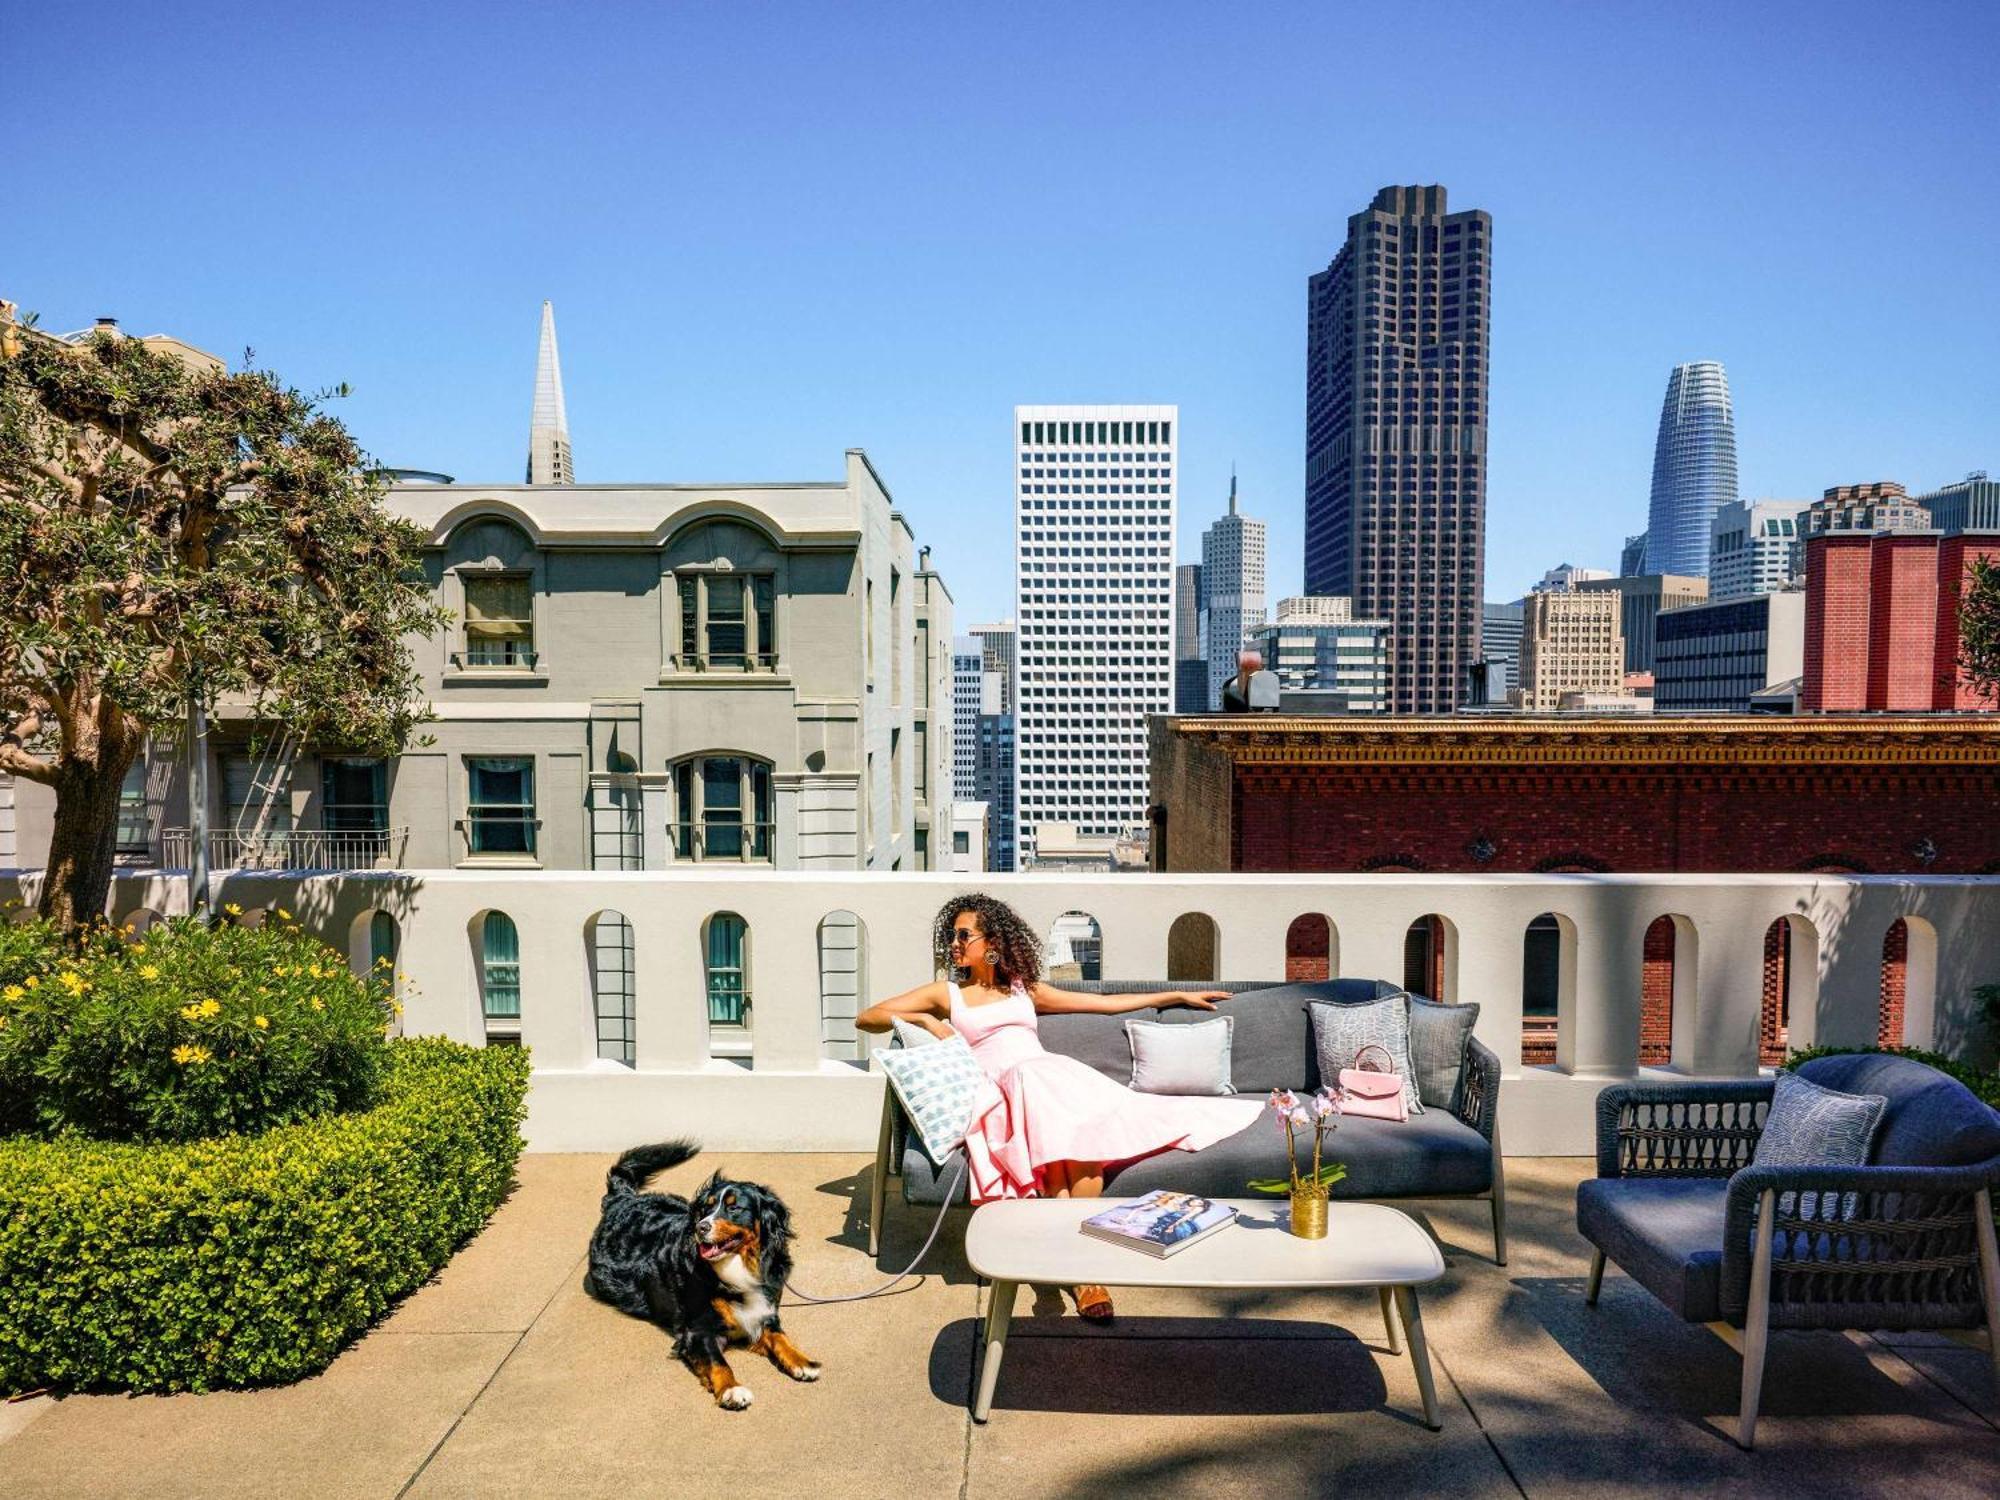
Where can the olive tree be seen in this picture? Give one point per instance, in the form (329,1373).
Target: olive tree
(173,532)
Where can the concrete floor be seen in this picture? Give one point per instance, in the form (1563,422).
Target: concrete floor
(501,1378)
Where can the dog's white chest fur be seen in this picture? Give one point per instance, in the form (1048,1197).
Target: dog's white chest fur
(754,1309)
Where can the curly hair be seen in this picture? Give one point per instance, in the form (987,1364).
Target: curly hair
(1015,947)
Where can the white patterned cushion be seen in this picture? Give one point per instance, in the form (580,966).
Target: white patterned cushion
(1341,1031)
(910,1034)
(937,1087)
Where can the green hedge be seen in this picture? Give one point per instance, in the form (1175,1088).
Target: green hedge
(1985,1085)
(248,1260)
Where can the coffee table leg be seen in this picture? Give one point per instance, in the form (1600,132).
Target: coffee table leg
(1389,1319)
(1420,1355)
(999,1313)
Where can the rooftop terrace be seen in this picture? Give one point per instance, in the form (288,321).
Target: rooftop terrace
(503,1378)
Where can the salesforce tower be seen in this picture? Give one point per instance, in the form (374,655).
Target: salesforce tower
(1694,469)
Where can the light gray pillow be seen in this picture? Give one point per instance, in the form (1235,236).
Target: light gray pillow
(910,1034)
(1811,1126)
(1181,1058)
(1438,1037)
(1341,1031)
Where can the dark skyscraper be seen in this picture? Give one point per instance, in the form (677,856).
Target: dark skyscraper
(1396,342)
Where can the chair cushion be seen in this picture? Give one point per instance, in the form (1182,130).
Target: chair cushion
(1663,1232)
(937,1087)
(1432,1155)
(1932,1120)
(1811,1125)
(1438,1034)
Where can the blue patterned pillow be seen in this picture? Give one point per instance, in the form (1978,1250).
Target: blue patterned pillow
(1811,1126)
(937,1087)
(1340,1031)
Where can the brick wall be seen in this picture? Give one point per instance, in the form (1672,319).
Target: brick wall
(1836,648)
(1656,995)
(1895,954)
(1195,781)
(1704,818)
(1902,621)
(1882,622)
(1307,956)
(1956,555)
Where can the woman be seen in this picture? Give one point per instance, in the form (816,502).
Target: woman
(1051,1125)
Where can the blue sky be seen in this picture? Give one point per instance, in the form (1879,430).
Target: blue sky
(775,232)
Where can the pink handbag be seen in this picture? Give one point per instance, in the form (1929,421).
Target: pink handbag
(1371,1090)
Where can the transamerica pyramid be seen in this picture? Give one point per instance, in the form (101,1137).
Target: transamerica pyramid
(548,434)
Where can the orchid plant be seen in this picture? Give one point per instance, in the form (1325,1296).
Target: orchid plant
(1319,1113)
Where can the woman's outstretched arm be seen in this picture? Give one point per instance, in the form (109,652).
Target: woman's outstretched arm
(924,1004)
(1053,1001)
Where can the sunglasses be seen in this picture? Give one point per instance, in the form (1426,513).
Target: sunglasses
(964,935)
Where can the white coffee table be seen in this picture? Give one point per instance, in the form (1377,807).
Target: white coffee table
(1036,1242)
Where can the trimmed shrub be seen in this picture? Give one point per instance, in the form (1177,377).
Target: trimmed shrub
(185,1032)
(248,1260)
(1985,1085)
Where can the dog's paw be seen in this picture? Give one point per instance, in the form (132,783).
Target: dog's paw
(806,1373)
(736,1398)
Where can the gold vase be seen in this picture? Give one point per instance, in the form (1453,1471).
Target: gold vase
(1309,1215)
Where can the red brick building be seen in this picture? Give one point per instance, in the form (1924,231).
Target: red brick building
(1882,621)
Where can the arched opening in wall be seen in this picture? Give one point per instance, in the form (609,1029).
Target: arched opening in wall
(1076,948)
(1309,950)
(1430,958)
(843,980)
(725,946)
(1192,946)
(496,968)
(1790,996)
(608,943)
(1666,988)
(1907,1015)
(374,944)
(1548,985)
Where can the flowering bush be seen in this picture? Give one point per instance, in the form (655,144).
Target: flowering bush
(183,1032)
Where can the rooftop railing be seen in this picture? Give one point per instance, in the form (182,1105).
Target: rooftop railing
(1667,973)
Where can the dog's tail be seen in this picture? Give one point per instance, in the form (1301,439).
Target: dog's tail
(641,1162)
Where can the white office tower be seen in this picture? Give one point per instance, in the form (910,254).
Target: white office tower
(1094,544)
(965,675)
(1232,583)
(548,430)
(1754,547)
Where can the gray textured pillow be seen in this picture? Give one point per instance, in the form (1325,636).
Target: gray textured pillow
(1181,1058)
(1341,1031)
(1438,1036)
(1810,1126)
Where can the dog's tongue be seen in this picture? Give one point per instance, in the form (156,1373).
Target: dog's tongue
(710,1252)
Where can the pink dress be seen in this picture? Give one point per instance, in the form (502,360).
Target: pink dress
(1046,1107)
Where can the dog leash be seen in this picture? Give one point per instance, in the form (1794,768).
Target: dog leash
(904,1275)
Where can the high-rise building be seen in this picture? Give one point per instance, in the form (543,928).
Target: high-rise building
(965,674)
(1973,504)
(1641,601)
(1570,643)
(1754,548)
(548,427)
(1316,643)
(1232,586)
(1717,657)
(1397,333)
(1882,620)
(1190,660)
(1632,556)
(993,753)
(1694,469)
(1881,505)
(1094,539)
(1500,639)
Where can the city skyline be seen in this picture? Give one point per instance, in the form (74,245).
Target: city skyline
(1681,197)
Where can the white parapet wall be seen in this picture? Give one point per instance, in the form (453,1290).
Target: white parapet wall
(790,1094)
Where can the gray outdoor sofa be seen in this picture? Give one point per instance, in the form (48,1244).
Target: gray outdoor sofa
(1451,1150)
(1904,1242)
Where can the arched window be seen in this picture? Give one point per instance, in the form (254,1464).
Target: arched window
(1541,989)
(1076,948)
(1309,950)
(726,951)
(1893,1003)
(1668,965)
(723,809)
(500,977)
(1430,958)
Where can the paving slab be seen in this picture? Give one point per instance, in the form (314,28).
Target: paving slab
(360,1429)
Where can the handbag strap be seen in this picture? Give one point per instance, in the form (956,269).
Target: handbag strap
(1388,1062)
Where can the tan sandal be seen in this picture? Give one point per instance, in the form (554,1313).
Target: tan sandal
(1093,1304)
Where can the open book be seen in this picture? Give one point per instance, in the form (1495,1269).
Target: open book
(1160,1223)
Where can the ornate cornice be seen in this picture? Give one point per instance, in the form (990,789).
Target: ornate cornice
(1966,741)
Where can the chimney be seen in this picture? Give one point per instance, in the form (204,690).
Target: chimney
(924,559)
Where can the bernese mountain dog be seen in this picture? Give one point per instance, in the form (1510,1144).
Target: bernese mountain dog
(710,1271)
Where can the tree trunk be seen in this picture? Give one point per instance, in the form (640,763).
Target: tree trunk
(84,843)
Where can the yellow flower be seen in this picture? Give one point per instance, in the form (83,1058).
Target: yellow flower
(233,909)
(149,971)
(210,1007)
(284,915)
(12,992)
(185,1055)
(317,1003)
(263,1023)
(72,981)
(34,981)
